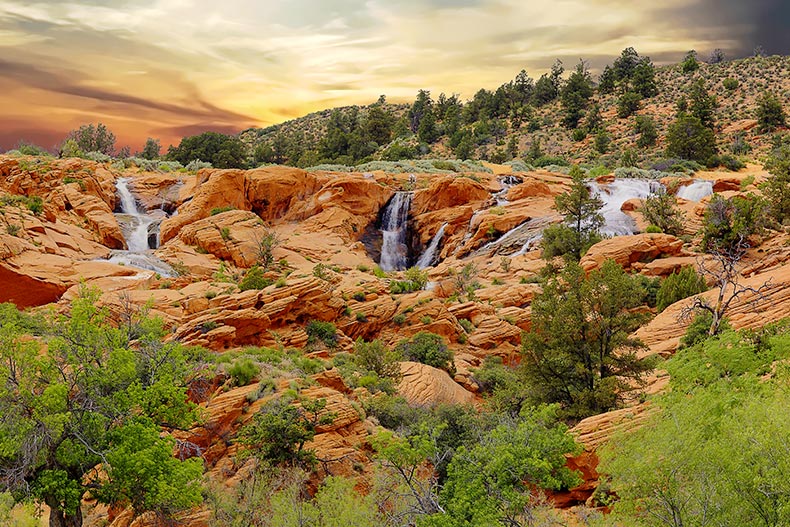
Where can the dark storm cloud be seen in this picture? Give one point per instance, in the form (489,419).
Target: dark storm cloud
(32,76)
(748,23)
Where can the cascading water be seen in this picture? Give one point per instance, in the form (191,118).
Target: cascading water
(613,195)
(141,232)
(429,256)
(394,227)
(699,189)
(507,183)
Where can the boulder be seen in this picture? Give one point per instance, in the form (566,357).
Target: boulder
(425,385)
(627,250)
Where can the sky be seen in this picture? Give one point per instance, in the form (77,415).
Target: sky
(169,68)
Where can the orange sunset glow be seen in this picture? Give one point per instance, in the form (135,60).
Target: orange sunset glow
(169,68)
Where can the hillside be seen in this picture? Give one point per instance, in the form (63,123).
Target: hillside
(735,116)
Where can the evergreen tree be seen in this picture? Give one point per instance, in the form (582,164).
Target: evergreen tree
(421,106)
(702,104)
(777,188)
(607,81)
(646,128)
(575,95)
(152,148)
(581,210)
(770,113)
(688,138)
(579,351)
(661,210)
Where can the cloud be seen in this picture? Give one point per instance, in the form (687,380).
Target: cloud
(171,66)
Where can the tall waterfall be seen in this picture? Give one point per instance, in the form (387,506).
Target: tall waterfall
(429,256)
(613,195)
(394,227)
(141,232)
(696,191)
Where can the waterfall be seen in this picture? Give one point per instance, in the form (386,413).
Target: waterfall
(507,182)
(394,227)
(429,256)
(141,232)
(613,195)
(696,191)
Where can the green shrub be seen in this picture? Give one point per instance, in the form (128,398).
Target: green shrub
(376,358)
(36,205)
(224,233)
(579,134)
(698,330)
(770,113)
(467,325)
(361,317)
(399,319)
(678,286)
(660,211)
(325,332)
(427,348)
(653,229)
(628,104)
(220,210)
(254,279)
(730,84)
(243,371)
(359,296)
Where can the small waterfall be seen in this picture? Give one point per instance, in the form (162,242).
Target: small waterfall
(507,183)
(141,232)
(518,240)
(394,226)
(429,256)
(696,191)
(613,195)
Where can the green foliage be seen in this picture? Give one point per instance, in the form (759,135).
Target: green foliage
(280,429)
(220,210)
(415,280)
(152,149)
(646,128)
(29,149)
(91,138)
(575,95)
(689,63)
(70,148)
(581,210)
(729,222)
(688,138)
(427,348)
(91,399)
(254,279)
(243,372)
(677,286)
(777,188)
(325,332)
(222,151)
(727,161)
(714,450)
(660,209)
(730,84)
(702,104)
(144,473)
(602,142)
(699,329)
(770,113)
(375,357)
(628,104)
(579,352)
(493,481)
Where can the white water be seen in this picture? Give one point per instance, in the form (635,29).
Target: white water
(394,224)
(429,256)
(613,195)
(139,230)
(507,182)
(696,191)
(518,240)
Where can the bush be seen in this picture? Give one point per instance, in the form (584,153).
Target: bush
(678,286)
(770,113)
(427,348)
(698,330)
(727,161)
(579,134)
(545,161)
(730,84)
(243,371)
(646,128)
(36,205)
(602,142)
(222,151)
(376,358)
(416,279)
(688,138)
(660,210)
(92,138)
(628,104)
(220,210)
(689,63)
(325,332)
(29,149)
(254,279)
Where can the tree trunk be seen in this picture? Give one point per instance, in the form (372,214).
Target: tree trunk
(58,518)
